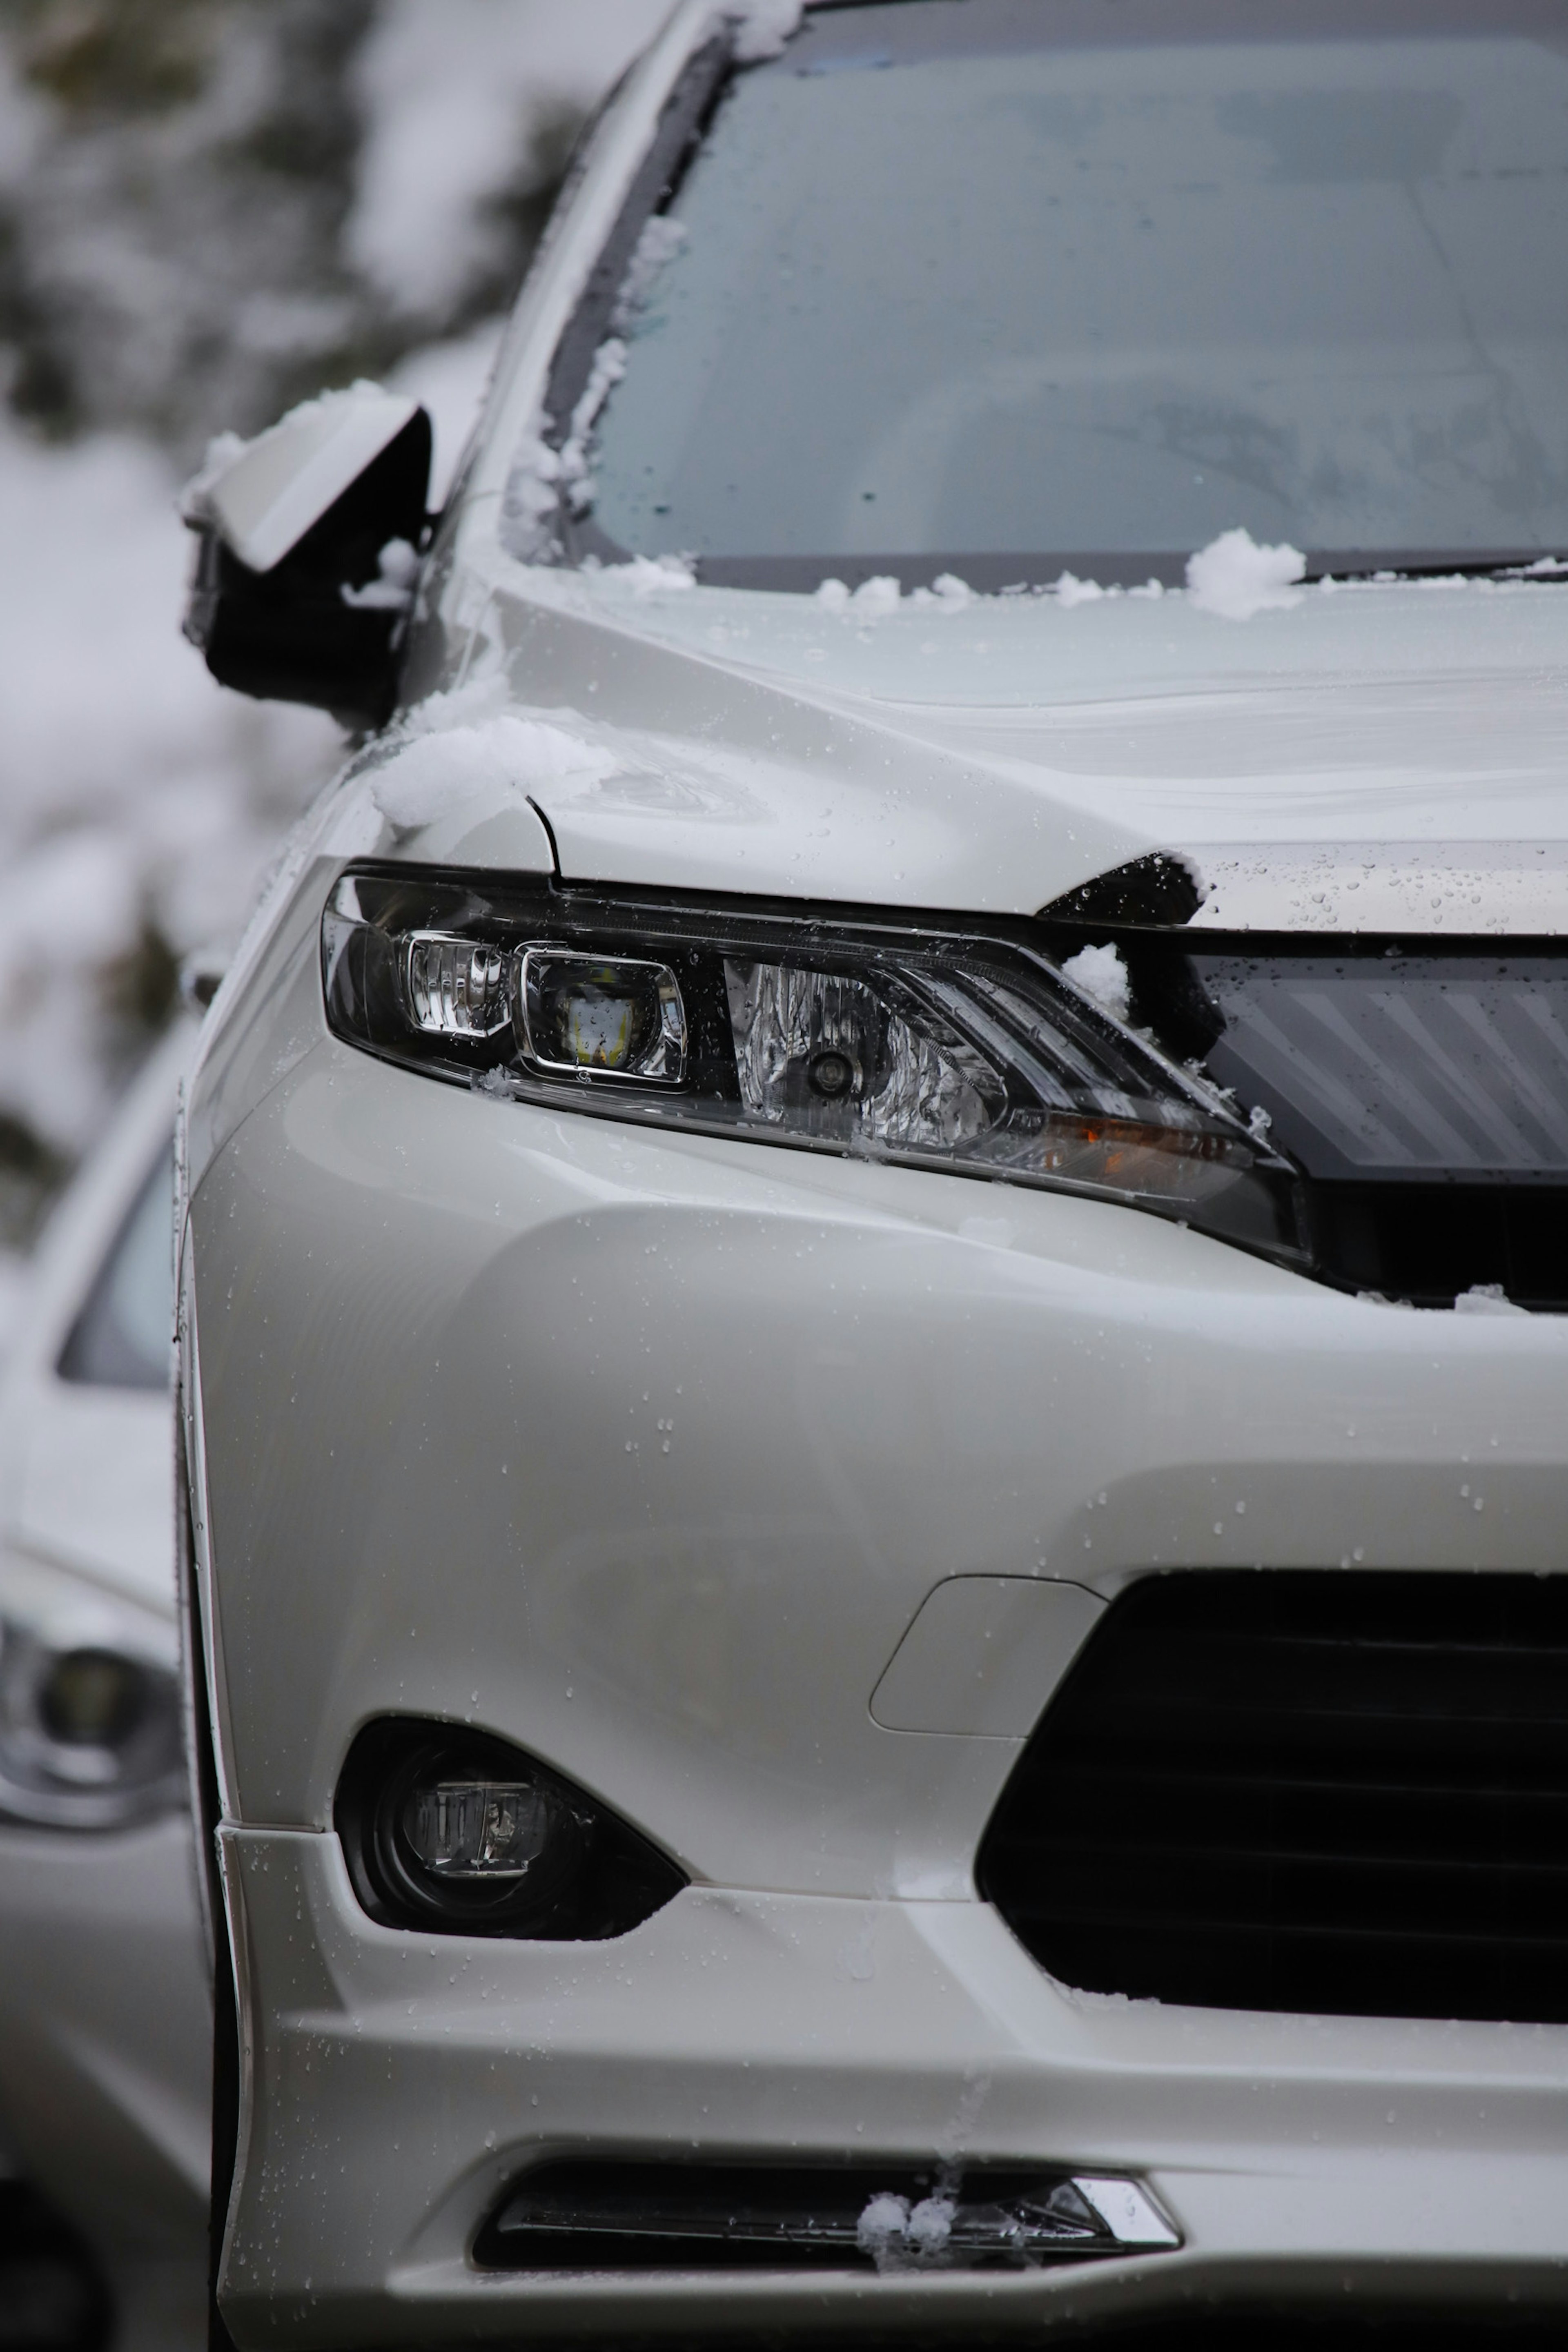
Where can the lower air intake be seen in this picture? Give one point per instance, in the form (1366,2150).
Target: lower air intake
(1334,1792)
(599,2215)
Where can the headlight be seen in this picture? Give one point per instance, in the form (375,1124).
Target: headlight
(90,1735)
(965,1051)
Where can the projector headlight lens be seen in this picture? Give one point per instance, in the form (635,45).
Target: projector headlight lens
(612,1016)
(964,1050)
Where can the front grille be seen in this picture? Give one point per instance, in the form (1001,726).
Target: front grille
(1415,1067)
(1427,1241)
(1421,1093)
(1339,1792)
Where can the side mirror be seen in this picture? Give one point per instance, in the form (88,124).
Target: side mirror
(310,541)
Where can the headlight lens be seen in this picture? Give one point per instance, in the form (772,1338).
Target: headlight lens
(605,1017)
(964,1051)
(90,1735)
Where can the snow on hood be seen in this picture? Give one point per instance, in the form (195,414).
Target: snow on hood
(1389,755)
(453,749)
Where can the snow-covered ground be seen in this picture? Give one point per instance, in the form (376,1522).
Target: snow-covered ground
(138,802)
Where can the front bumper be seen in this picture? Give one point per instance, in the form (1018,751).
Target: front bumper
(644,1452)
(399,2083)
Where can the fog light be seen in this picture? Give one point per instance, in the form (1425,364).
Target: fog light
(447,1829)
(582,1012)
(478,1829)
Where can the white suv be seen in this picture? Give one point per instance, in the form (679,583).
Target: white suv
(873,1238)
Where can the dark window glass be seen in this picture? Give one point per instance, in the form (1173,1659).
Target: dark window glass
(121,1339)
(1095,280)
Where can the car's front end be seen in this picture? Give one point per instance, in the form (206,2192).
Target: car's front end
(874,1379)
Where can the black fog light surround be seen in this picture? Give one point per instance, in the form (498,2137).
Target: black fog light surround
(459,1831)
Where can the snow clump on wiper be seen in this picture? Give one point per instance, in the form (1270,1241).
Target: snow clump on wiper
(1234,578)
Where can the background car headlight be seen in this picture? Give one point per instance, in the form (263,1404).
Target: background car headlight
(964,1050)
(90,1735)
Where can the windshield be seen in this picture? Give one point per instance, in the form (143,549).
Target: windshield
(121,1338)
(1005,287)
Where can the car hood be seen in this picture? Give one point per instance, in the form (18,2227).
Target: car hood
(1389,756)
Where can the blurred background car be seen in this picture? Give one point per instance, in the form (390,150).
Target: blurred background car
(105,2009)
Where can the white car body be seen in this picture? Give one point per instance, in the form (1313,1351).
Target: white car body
(105,2004)
(769,1496)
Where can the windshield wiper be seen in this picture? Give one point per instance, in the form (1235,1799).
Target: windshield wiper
(1402,566)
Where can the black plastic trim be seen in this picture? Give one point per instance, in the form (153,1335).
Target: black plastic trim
(286,635)
(611,2214)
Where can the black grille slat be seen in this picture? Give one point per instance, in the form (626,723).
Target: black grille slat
(1300,1860)
(1197,1782)
(1336,1791)
(1292,1895)
(1341,1941)
(1366,1680)
(1299,1820)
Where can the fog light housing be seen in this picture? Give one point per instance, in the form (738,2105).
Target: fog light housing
(464,1833)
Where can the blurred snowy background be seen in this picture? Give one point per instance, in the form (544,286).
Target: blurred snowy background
(209,208)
